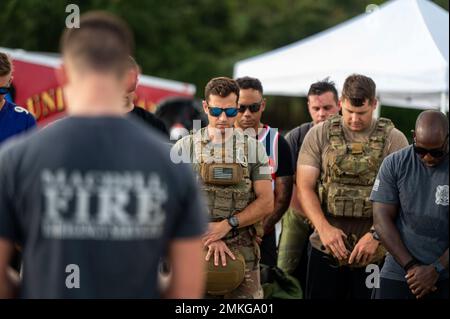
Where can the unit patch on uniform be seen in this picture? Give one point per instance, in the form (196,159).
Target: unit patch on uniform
(442,195)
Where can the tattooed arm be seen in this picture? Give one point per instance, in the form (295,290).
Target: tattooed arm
(282,193)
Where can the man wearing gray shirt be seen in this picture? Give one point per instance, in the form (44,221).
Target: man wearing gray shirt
(410,210)
(93,199)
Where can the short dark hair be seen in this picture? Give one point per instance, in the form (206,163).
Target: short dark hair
(358,88)
(103,42)
(322,87)
(5,64)
(247,82)
(221,86)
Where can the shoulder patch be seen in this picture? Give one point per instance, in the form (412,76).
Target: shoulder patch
(20,109)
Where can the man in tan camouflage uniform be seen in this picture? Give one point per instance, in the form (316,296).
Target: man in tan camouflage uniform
(336,169)
(236,180)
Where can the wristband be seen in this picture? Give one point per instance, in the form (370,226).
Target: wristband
(409,264)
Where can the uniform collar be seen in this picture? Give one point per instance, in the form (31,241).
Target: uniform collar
(203,134)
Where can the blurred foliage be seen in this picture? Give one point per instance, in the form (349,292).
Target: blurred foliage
(404,119)
(191,40)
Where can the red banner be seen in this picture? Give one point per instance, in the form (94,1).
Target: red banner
(37,88)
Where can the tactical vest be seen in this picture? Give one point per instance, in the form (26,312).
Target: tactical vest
(224,200)
(351,169)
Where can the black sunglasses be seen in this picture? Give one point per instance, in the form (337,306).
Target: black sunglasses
(216,111)
(255,107)
(4,89)
(434,152)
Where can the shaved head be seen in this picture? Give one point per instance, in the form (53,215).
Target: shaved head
(431,134)
(431,127)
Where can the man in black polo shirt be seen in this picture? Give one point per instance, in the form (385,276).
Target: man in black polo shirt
(323,102)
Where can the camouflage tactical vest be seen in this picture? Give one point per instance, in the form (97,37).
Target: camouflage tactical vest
(351,169)
(225,200)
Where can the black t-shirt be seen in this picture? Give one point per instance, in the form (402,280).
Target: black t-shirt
(150,119)
(295,139)
(282,154)
(98,194)
(285,167)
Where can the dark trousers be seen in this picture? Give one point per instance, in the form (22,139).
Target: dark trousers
(396,289)
(269,249)
(327,281)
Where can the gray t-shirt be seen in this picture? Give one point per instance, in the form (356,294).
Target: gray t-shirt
(97,197)
(421,194)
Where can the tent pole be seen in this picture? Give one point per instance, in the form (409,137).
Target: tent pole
(444,102)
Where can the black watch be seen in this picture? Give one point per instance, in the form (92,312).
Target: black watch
(438,266)
(233,222)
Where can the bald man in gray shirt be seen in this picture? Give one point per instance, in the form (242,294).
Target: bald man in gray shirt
(410,209)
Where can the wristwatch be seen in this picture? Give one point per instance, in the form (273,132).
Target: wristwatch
(374,234)
(438,266)
(233,222)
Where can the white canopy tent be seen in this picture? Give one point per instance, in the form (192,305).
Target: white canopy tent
(403,46)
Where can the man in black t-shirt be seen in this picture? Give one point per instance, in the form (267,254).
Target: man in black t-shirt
(323,102)
(137,112)
(251,107)
(94,199)
(149,119)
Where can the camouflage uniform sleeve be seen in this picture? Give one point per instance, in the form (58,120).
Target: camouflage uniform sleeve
(395,141)
(259,170)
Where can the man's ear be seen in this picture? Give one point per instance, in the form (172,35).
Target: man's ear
(132,80)
(61,75)
(205,106)
(374,103)
(263,104)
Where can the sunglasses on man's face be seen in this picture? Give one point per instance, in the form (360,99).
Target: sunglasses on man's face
(4,90)
(216,111)
(255,107)
(434,152)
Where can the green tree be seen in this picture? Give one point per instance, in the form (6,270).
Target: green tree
(191,41)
